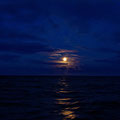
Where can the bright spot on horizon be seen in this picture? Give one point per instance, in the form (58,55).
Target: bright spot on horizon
(65,59)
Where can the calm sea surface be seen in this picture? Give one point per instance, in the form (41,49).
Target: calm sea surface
(59,98)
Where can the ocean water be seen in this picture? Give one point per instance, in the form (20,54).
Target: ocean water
(59,98)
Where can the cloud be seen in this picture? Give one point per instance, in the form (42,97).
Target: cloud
(31,10)
(115,60)
(25,48)
(9,57)
(108,50)
(46,62)
(116,36)
(13,35)
(54,59)
(33,26)
(100,69)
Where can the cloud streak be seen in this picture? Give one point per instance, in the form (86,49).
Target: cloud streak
(24,48)
(39,33)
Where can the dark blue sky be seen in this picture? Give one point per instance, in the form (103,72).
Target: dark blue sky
(35,34)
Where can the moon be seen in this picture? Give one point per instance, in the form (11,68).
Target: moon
(65,59)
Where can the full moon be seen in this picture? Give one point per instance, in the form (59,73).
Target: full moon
(65,59)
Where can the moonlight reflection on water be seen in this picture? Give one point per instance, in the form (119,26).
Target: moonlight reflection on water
(67,104)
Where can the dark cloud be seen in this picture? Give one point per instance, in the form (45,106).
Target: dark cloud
(88,9)
(100,70)
(9,57)
(53,23)
(23,11)
(108,50)
(111,37)
(33,26)
(26,9)
(45,62)
(14,35)
(25,48)
(114,60)
(116,36)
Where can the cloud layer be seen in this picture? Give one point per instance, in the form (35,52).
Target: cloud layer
(31,31)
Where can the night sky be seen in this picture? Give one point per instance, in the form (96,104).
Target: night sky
(36,34)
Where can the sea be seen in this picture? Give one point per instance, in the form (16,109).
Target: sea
(59,98)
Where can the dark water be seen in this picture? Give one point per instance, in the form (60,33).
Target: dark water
(60,98)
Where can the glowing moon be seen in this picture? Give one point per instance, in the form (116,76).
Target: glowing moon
(65,59)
